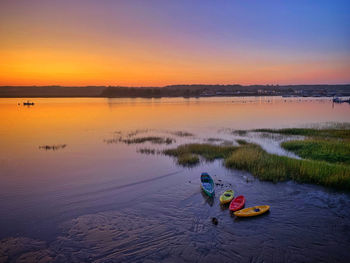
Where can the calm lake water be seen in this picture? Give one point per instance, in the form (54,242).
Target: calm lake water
(95,199)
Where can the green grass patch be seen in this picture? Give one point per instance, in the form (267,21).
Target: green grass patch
(275,168)
(331,145)
(209,152)
(333,151)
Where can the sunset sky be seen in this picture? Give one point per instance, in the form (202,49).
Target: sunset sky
(158,42)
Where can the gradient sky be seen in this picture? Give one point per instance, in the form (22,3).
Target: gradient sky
(158,42)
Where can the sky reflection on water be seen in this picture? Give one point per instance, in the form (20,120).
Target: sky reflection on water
(93,201)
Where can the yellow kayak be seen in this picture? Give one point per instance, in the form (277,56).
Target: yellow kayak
(252,211)
(226,197)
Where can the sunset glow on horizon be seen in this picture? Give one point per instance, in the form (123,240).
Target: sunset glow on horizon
(145,43)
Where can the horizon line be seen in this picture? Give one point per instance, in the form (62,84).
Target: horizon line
(170,85)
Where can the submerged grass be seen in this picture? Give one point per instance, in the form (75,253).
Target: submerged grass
(139,140)
(188,159)
(151,139)
(147,151)
(240,132)
(182,134)
(136,132)
(322,133)
(53,147)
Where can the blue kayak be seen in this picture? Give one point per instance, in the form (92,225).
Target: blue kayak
(207,184)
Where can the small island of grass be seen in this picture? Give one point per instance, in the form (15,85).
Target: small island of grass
(140,140)
(325,152)
(329,145)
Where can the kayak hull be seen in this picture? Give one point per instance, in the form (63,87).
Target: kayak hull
(227,197)
(207,184)
(252,211)
(208,193)
(237,203)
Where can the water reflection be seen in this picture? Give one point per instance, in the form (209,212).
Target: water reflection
(99,202)
(208,199)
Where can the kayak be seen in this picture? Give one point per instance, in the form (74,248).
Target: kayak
(227,197)
(237,203)
(207,184)
(252,211)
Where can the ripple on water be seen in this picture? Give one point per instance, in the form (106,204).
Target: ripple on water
(173,223)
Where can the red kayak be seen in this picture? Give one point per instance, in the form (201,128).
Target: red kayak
(237,203)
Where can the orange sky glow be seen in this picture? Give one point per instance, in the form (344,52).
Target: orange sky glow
(124,44)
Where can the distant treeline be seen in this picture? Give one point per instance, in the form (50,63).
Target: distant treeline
(175,91)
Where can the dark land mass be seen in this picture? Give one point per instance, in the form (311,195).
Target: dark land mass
(174,91)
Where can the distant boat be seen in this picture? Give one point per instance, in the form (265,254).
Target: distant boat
(340,100)
(28,103)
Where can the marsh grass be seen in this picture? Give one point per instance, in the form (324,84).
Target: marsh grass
(215,139)
(182,134)
(52,147)
(148,151)
(151,139)
(239,132)
(188,159)
(330,125)
(140,140)
(136,132)
(113,140)
(276,168)
(331,144)
(209,152)
(333,151)
(265,166)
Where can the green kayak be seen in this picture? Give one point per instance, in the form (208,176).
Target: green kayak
(227,197)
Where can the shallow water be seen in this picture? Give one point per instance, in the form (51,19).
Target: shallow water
(93,201)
